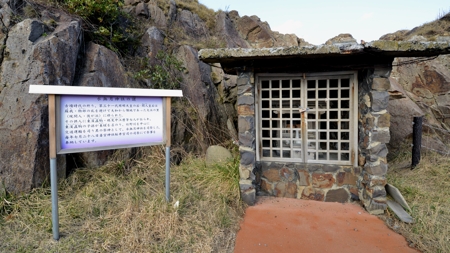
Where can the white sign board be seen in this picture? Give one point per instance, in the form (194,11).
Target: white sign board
(88,123)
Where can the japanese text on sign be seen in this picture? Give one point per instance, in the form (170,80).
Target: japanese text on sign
(99,121)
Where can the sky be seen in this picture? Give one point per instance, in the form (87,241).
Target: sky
(316,21)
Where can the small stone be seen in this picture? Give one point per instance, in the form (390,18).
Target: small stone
(246,110)
(246,123)
(381,136)
(303,178)
(245,185)
(338,195)
(330,168)
(384,120)
(249,196)
(288,175)
(247,140)
(244,172)
(381,84)
(217,155)
(345,178)
(266,186)
(320,180)
(361,160)
(272,175)
(380,100)
(246,100)
(247,157)
(313,194)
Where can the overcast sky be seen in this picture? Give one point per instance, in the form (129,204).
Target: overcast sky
(317,21)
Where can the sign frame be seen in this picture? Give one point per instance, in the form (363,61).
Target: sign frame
(55,92)
(60,150)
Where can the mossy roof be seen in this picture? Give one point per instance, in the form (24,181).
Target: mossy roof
(327,57)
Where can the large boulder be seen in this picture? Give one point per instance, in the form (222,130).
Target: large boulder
(194,27)
(200,119)
(225,27)
(255,32)
(426,85)
(101,68)
(32,57)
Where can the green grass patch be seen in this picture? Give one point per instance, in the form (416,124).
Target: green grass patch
(117,208)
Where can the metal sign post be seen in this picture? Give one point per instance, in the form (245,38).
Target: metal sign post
(83,119)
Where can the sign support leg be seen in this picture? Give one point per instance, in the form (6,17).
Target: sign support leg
(53,169)
(168,140)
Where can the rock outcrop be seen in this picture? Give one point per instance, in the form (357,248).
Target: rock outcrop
(31,57)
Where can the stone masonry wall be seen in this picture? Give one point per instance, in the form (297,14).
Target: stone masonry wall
(373,134)
(322,182)
(247,135)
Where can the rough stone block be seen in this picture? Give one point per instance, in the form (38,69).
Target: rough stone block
(377,170)
(243,89)
(384,120)
(313,194)
(331,168)
(247,157)
(303,178)
(246,100)
(382,72)
(345,178)
(266,186)
(247,140)
(244,172)
(243,80)
(249,196)
(288,174)
(361,160)
(285,189)
(320,180)
(375,208)
(314,167)
(246,110)
(272,175)
(246,124)
(380,100)
(338,195)
(354,194)
(381,84)
(245,185)
(381,136)
(378,150)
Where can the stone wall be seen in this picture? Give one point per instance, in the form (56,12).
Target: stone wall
(373,134)
(247,134)
(322,182)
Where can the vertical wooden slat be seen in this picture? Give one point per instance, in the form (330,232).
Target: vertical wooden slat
(52,125)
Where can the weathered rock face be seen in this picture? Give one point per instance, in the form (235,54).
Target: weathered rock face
(101,68)
(426,85)
(31,58)
(226,28)
(205,122)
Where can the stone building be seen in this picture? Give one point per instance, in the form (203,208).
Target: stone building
(312,120)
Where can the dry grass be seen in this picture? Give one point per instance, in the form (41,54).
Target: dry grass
(122,208)
(426,189)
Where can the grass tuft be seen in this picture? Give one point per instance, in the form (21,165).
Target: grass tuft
(112,209)
(426,189)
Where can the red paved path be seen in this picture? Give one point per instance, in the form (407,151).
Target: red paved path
(294,225)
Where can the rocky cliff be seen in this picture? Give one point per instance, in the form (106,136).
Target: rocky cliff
(42,44)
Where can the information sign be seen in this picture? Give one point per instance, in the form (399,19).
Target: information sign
(88,123)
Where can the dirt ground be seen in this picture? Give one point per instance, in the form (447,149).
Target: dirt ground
(294,225)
